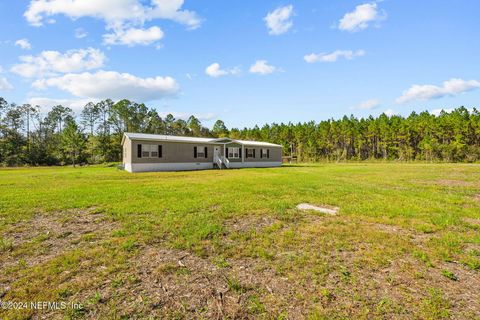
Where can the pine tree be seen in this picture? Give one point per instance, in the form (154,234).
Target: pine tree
(73,141)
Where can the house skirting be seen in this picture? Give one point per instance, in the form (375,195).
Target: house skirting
(148,167)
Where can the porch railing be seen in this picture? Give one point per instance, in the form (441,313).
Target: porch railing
(219,162)
(226,162)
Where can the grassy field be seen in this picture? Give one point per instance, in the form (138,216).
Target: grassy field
(231,244)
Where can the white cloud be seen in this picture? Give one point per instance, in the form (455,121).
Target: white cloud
(51,63)
(80,33)
(170,9)
(46,103)
(262,67)
(279,20)
(115,13)
(24,44)
(333,56)
(367,105)
(361,17)
(214,70)
(124,18)
(450,87)
(133,36)
(113,85)
(390,112)
(5,85)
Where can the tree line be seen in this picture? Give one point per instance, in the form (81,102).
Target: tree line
(59,137)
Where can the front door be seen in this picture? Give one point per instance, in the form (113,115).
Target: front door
(216,153)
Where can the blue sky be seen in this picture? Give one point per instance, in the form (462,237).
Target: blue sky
(245,62)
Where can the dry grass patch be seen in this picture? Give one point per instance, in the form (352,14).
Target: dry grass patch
(50,234)
(395,230)
(446,183)
(453,183)
(168,284)
(250,223)
(472,221)
(177,281)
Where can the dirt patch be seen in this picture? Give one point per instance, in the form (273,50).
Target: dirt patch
(250,223)
(472,221)
(477,197)
(407,277)
(396,230)
(171,283)
(178,280)
(48,235)
(323,209)
(446,183)
(451,183)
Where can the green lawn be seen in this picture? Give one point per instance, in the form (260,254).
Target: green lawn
(230,243)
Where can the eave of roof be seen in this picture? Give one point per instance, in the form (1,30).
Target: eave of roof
(160,137)
(257,143)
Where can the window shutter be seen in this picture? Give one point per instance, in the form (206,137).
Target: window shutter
(160,151)
(206,155)
(246,152)
(261,153)
(254,153)
(226,156)
(268,153)
(240,152)
(195,152)
(139,150)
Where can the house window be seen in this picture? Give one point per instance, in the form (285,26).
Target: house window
(200,152)
(234,153)
(250,152)
(150,151)
(264,153)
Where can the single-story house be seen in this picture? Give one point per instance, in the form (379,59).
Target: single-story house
(153,152)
